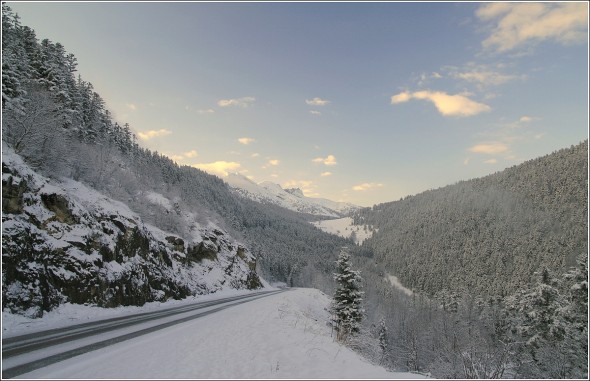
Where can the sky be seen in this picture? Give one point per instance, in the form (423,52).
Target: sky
(358,102)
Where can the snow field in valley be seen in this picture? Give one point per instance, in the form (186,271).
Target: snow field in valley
(344,227)
(280,336)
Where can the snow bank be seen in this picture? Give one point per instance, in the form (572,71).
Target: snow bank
(280,336)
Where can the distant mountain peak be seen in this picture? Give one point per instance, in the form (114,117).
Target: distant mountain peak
(295,192)
(292,198)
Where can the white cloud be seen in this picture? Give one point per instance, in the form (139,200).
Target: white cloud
(317,102)
(426,78)
(131,106)
(220,168)
(246,141)
(206,111)
(274,162)
(329,160)
(147,135)
(366,186)
(520,24)
(325,174)
(447,105)
(522,122)
(314,112)
(191,154)
(238,102)
(491,161)
(487,77)
(401,97)
(256,154)
(489,148)
(466,161)
(527,119)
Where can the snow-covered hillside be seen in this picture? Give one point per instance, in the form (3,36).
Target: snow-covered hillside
(280,336)
(292,199)
(344,227)
(64,242)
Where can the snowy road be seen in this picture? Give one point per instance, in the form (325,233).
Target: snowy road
(25,353)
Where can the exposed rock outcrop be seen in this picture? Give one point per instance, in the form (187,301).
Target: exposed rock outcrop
(63,242)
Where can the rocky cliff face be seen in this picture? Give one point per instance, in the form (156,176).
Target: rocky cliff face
(64,242)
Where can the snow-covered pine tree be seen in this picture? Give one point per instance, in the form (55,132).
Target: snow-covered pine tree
(346,308)
(533,315)
(538,308)
(383,345)
(574,317)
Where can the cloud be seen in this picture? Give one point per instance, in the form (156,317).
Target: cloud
(447,105)
(329,160)
(522,122)
(366,186)
(274,162)
(466,161)
(131,106)
(238,102)
(527,119)
(521,24)
(220,168)
(191,154)
(246,141)
(489,148)
(401,97)
(491,161)
(425,78)
(256,154)
(147,135)
(314,112)
(325,174)
(485,77)
(206,111)
(317,102)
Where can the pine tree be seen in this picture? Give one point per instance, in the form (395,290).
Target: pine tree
(346,308)
(534,317)
(574,318)
(534,311)
(383,338)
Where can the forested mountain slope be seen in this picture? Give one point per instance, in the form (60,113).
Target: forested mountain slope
(64,242)
(487,235)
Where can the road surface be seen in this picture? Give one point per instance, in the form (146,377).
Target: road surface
(25,353)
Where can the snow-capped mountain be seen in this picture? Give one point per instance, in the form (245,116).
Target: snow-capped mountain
(292,199)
